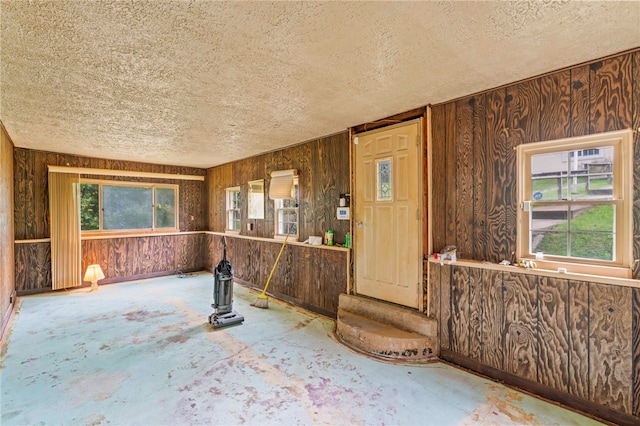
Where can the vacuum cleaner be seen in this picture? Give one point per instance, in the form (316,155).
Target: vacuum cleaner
(223,315)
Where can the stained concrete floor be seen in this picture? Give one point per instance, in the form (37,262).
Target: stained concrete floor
(142,353)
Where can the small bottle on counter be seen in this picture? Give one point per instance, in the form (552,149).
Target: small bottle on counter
(328,236)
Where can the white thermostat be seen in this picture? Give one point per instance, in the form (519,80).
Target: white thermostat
(343,213)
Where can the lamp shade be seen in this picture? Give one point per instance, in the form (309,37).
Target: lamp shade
(94,273)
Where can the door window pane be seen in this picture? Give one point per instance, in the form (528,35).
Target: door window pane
(384,182)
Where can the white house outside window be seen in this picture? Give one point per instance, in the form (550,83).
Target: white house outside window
(575,198)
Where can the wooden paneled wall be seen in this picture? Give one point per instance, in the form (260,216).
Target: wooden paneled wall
(323,170)
(573,341)
(120,258)
(474,160)
(6,227)
(306,276)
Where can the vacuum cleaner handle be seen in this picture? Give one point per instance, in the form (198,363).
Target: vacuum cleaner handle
(224,249)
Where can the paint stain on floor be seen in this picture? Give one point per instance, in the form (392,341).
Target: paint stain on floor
(143,353)
(97,387)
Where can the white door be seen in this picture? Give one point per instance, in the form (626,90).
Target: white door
(387,217)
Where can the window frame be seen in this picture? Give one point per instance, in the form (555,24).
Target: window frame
(622,198)
(116,183)
(277,207)
(228,209)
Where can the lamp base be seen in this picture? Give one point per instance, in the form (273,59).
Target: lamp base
(94,285)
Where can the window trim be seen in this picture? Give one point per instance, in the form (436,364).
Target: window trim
(622,143)
(153,229)
(227,193)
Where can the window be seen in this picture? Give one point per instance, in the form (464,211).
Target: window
(120,206)
(286,213)
(575,210)
(233,209)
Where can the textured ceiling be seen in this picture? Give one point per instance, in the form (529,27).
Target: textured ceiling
(201,83)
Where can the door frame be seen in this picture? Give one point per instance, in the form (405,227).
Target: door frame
(422,164)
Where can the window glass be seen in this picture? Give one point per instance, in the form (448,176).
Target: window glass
(108,206)
(233,209)
(565,175)
(89,207)
(165,208)
(287,213)
(127,207)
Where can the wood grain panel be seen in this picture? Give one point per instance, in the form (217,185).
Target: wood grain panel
(635,321)
(323,170)
(578,306)
(439,178)
(19,193)
(580,101)
(333,279)
(610,337)
(445,307)
(480,234)
(553,337)
(460,315)
(555,105)
(497,177)
(476,278)
(435,284)
(463,178)
(493,320)
(307,276)
(610,94)
(451,174)
(305,271)
(521,325)
(636,162)
(522,111)
(7,272)
(29,200)
(32,267)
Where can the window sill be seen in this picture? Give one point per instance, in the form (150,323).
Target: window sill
(273,240)
(569,275)
(133,234)
(582,268)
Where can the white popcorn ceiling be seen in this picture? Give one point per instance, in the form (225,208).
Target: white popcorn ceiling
(201,83)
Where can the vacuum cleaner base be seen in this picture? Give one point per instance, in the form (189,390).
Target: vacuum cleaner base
(225,320)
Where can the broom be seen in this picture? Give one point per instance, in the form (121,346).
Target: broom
(262,301)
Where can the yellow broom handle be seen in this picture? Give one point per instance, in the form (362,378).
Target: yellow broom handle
(264,292)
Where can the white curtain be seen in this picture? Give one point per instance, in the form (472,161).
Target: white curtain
(66,249)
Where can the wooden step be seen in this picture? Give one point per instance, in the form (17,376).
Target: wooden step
(386,330)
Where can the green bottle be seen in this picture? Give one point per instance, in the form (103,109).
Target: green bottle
(347,241)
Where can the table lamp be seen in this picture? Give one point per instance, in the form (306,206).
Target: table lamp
(93,274)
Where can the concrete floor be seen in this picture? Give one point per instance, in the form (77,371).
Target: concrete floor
(142,353)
